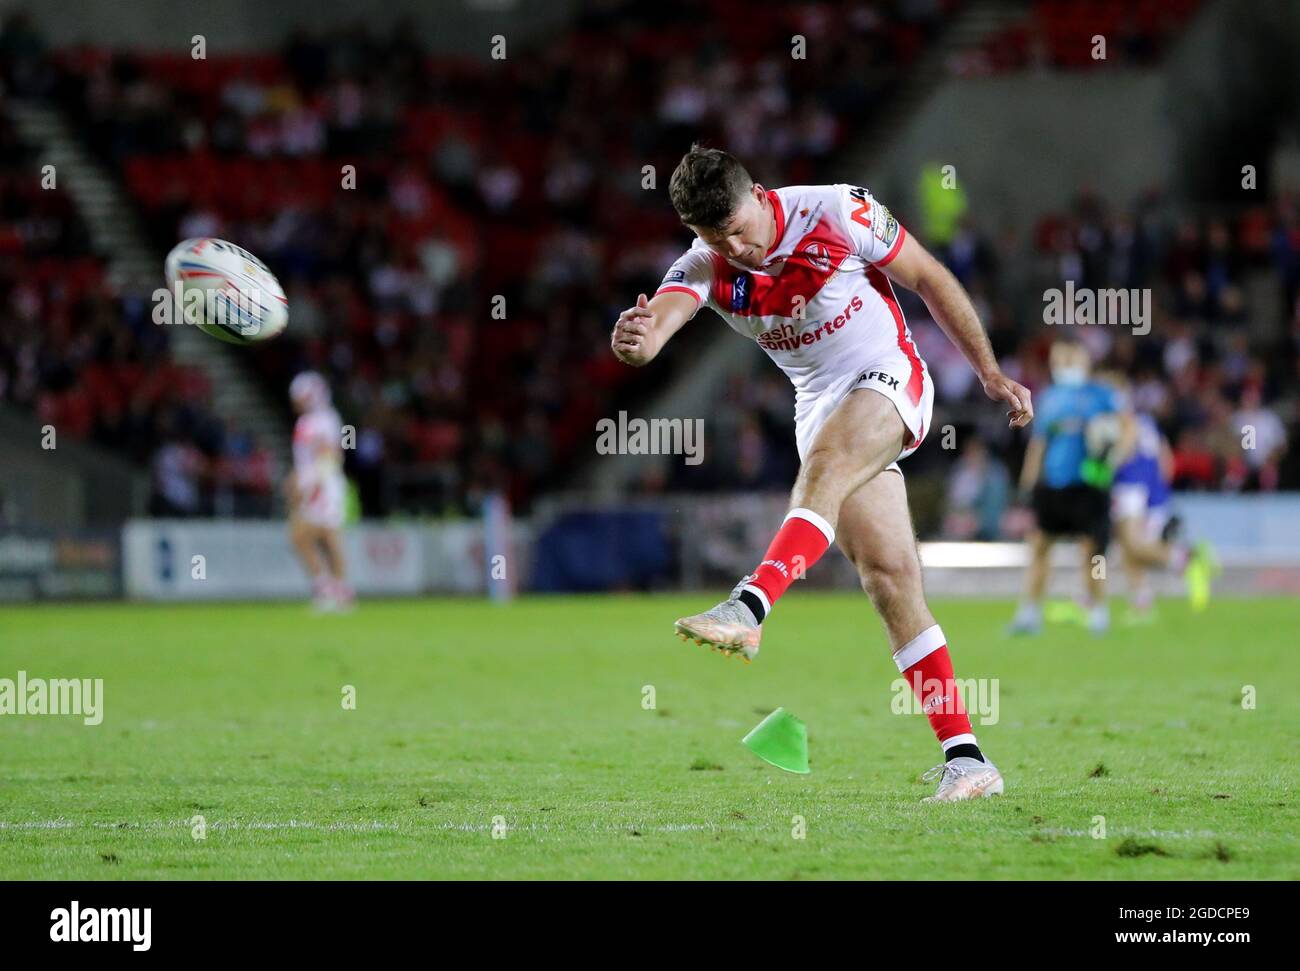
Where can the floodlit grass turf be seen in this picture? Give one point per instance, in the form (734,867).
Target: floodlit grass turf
(468,712)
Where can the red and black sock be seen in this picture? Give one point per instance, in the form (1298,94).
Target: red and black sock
(800,542)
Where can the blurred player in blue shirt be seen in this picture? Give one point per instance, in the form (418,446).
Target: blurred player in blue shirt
(1141,500)
(1083,433)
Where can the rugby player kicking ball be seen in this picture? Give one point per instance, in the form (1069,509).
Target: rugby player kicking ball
(808,273)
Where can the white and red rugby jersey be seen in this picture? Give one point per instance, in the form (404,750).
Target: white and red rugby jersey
(317,445)
(831,243)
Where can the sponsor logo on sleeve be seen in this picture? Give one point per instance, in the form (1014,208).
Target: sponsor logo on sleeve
(886,226)
(675,276)
(862,211)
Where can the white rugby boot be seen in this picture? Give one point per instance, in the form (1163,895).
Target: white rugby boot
(964,778)
(729,628)
(1028,619)
(1099,619)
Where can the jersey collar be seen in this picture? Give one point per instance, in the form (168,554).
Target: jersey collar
(779,212)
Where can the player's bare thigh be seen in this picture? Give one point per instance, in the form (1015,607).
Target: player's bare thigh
(318,545)
(862,435)
(303,536)
(875,533)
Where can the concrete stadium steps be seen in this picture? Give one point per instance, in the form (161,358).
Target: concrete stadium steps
(689,395)
(975,22)
(133,265)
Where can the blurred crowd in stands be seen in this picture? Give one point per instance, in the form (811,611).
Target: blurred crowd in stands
(89,363)
(1219,368)
(456,236)
(1064,35)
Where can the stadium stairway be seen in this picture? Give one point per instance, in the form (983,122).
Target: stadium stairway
(973,25)
(132,265)
(688,396)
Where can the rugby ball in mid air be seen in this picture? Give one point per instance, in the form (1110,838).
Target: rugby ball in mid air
(225,291)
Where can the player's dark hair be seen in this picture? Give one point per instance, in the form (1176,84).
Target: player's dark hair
(707,186)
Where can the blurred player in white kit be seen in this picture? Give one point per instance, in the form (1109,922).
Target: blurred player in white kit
(316,490)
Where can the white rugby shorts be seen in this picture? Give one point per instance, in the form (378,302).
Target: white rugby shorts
(321,502)
(901,376)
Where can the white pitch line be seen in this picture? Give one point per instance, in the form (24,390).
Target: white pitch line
(155,825)
(370,826)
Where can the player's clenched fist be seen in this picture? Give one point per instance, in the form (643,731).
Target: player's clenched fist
(631,332)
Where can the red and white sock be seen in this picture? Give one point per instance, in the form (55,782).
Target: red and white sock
(800,542)
(927,667)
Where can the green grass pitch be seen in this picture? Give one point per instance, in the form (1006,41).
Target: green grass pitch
(512,742)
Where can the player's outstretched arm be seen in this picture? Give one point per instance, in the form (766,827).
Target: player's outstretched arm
(952,310)
(641,332)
